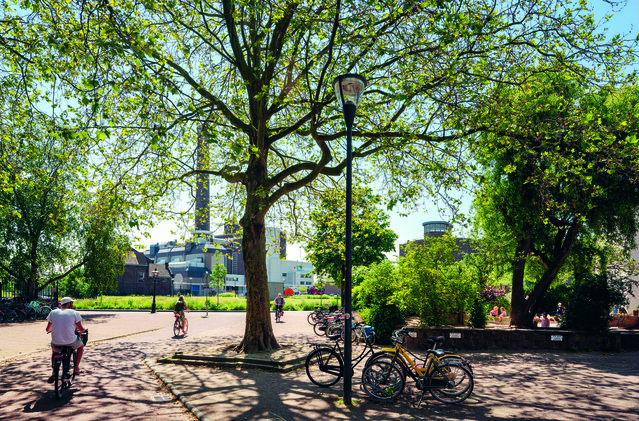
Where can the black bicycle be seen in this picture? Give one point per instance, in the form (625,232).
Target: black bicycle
(278,314)
(325,365)
(63,372)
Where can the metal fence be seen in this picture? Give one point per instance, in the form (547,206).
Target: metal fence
(10,290)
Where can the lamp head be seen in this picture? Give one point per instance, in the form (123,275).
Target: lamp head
(349,89)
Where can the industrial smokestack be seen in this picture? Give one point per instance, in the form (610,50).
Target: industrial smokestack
(202,194)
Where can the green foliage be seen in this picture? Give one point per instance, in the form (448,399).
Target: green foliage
(150,75)
(377,286)
(371,235)
(478,314)
(430,284)
(589,304)
(218,274)
(227,303)
(561,170)
(75,285)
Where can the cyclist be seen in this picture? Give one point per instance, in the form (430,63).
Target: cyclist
(63,323)
(279,303)
(178,310)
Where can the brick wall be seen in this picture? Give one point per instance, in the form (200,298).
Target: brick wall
(526,339)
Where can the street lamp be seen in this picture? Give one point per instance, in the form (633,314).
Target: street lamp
(348,89)
(155,280)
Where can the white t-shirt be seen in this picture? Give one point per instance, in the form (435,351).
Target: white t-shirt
(63,325)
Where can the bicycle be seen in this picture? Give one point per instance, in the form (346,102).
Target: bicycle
(181,324)
(397,339)
(317,315)
(63,373)
(278,314)
(325,365)
(448,382)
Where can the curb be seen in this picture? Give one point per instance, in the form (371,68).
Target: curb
(224,362)
(176,392)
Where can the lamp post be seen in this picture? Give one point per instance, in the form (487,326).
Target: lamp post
(348,89)
(155,280)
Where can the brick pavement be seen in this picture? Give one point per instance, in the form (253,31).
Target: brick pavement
(520,385)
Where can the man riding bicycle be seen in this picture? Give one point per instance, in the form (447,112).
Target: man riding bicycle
(178,310)
(279,303)
(63,324)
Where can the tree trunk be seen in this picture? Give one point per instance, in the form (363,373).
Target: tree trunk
(258,334)
(523,309)
(519,315)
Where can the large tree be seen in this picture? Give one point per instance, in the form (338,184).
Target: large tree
(254,79)
(563,168)
(371,236)
(49,225)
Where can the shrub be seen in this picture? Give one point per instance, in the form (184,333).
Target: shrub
(588,306)
(478,314)
(385,319)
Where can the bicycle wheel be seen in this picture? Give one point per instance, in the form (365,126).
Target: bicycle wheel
(334,330)
(177,327)
(58,378)
(456,360)
(319,329)
(451,383)
(383,381)
(10,316)
(44,312)
(19,315)
(311,318)
(31,313)
(324,367)
(185,325)
(387,358)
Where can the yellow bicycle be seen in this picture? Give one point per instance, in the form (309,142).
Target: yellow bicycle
(449,379)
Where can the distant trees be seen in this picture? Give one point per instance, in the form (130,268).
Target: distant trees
(371,235)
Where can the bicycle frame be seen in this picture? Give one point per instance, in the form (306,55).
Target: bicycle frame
(337,349)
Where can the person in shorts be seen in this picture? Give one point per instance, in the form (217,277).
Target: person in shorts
(63,323)
(178,310)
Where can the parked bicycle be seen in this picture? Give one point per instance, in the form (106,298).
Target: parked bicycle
(181,325)
(63,372)
(317,315)
(325,364)
(397,339)
(447,381)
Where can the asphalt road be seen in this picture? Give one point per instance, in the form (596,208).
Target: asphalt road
(117,384)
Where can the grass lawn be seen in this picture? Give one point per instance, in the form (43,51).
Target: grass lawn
(293,303)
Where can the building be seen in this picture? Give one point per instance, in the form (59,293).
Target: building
(434,229)
(138,278)
(190,263)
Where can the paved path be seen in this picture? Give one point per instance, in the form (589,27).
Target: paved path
(118,384)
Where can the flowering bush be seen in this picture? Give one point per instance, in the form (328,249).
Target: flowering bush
(491,293)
